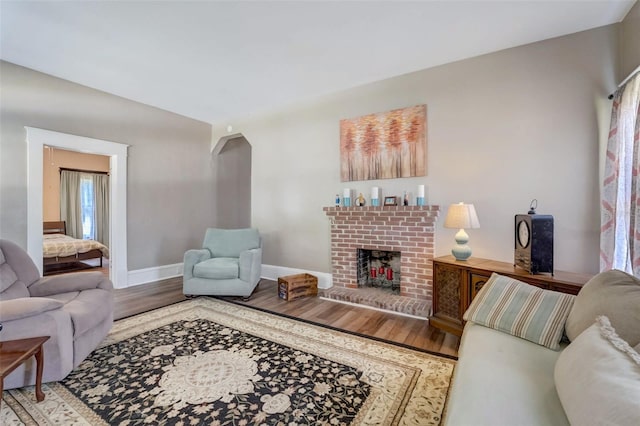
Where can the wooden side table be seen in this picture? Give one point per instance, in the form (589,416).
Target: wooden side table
(14,352)
(456,283)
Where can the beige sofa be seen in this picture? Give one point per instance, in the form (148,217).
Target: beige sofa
(505,376)
(75,310)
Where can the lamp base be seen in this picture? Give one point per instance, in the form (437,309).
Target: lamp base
(461,251)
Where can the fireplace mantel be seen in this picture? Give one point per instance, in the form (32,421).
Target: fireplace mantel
(408,229)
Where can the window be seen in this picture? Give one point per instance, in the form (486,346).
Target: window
(84,204)
(87,207)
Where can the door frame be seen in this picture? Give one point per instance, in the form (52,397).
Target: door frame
(117,153)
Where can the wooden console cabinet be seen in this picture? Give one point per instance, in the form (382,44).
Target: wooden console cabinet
(455,284)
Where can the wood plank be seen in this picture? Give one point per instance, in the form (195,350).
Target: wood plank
(368,322)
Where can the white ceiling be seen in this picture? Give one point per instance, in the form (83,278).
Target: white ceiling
(215,60)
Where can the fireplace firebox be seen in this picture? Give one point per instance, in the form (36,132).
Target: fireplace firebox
(379,269)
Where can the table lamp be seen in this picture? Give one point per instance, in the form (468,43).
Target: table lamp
(461,216)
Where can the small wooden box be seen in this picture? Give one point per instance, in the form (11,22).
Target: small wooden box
(293,287)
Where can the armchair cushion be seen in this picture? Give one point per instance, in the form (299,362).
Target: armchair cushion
(24,307)
(230,242)
(218,268)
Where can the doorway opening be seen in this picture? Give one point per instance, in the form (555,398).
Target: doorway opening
(232,156)
(117,153)
(75,207)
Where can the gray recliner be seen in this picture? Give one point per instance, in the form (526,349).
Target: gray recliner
(75,310)
(229,263)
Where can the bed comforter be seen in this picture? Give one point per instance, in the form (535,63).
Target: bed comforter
(59,245)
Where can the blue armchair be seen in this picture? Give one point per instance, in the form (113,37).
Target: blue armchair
(228,264)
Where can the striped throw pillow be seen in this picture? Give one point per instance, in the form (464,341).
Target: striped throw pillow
(522,310)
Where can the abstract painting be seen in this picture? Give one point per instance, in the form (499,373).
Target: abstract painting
(384,145)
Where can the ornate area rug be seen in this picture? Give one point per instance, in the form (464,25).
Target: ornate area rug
(206,361)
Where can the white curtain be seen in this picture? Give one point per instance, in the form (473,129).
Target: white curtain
(101,195)
(70,205)
(84,204)
(620,221)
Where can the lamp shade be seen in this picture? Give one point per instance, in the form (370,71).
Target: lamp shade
(461,216)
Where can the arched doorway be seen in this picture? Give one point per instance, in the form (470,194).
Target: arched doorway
(232,157)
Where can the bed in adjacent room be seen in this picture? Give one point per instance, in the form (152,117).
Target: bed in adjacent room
(60,250)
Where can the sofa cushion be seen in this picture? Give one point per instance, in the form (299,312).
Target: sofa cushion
(20,262)
(501,379)
(10,286)
(613,294)
(598,378)
(218,268)
(522,310)
(7,276)
(230,242)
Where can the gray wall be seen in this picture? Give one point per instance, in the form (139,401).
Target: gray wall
(630,42)
(171,188)
(233,183)
(503,128)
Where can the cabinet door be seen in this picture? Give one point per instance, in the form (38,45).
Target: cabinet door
(447,283)
(476,281)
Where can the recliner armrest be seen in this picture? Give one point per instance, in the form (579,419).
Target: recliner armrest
(23,307)
(191,258)
(65,283)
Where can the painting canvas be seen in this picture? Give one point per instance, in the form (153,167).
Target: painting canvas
(384,145)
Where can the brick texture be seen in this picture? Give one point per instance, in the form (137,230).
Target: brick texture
(407,229)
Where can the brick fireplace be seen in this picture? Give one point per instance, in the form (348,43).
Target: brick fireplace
(409,230)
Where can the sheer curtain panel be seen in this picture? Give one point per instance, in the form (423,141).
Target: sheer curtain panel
(101,194)
(620,206)
(70,204)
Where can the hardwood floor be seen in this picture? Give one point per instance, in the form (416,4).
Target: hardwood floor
(381,325)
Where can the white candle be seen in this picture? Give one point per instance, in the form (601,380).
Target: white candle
(421,191)
(374,193)
(347,193)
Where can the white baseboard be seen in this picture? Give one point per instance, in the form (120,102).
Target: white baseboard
(271,272)
(156,273)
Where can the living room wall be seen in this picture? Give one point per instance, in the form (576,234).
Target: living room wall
(503,128)
(170,176)
(630,41)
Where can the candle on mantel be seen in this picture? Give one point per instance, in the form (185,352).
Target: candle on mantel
(375,199)
(347,197)
(420,198)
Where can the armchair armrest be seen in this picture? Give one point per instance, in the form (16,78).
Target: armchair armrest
(250,265)
(191,257)
(24,307)
(79,281)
